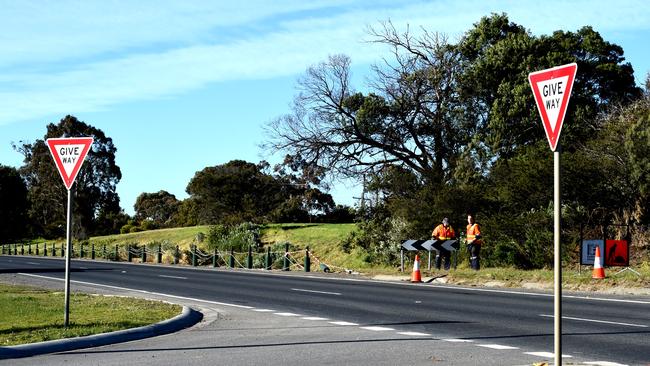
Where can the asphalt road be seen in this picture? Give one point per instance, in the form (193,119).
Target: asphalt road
(488,326)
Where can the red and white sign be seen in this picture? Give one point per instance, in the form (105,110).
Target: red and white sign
(69,155)
(552,89)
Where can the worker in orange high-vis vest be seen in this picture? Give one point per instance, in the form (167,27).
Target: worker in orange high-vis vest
(474,242)
(443,232)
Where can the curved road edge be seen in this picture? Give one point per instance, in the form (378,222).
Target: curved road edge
(187,318)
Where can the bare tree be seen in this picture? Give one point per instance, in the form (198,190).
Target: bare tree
(411,116)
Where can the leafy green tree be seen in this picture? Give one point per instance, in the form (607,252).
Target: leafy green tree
(94,189)
(497,57)
(159,208)
(13,210)
(233,192)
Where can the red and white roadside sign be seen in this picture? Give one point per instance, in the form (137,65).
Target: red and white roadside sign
(552,89)
(69,155)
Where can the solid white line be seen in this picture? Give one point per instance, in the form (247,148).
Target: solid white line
(142,291)
(604,363)
(343,323)
(313,318)
(377,329)
(415,334)
(496,346)
(317,292)
(287,314)
(177,277)
(597,321)
(546,354)
(264,310)
(456,340)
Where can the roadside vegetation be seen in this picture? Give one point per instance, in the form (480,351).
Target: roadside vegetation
(34,315)
(333,244)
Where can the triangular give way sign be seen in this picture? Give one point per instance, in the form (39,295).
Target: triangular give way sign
(552,89)
(69,155)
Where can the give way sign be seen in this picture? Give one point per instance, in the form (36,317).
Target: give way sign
(69,154)
(552,89)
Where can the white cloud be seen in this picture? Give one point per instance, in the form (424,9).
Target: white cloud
(64,57)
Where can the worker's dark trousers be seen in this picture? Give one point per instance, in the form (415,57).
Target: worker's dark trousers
(446,255)
(474,256)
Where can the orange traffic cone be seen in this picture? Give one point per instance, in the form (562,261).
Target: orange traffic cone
(599,271)
(415,276)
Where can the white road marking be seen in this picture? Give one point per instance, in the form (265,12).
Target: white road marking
(522,293)
(142,291)
(597,321)
(176,277)
(123,271)
(343,323)
(415,334)
(456,340)
(496,346)
(546,354)
(287,314)
(317,292)
(83,267)
(34,263)
(313,318)
(377,329)
(604,363)
(264,310)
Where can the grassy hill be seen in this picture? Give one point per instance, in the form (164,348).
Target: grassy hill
(324,240)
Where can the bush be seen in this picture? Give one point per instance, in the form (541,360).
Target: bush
(238,237)
(126,229)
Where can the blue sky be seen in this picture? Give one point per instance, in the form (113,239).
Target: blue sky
(181,85)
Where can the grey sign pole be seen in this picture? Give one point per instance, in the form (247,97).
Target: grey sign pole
(68,249)
(557,264)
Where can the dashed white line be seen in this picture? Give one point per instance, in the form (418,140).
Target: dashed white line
(343,323)
(316,292)
(313,318)
(377,329)
(175,277)
(286,314)
(263,310)
(415,334)
(546,354)
(456,340)
(496,346)
(34,263)
(597,321)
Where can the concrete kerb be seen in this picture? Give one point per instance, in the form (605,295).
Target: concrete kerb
(187,318)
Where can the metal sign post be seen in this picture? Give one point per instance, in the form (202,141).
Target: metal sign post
(552,90)
(557,261)
(68,249)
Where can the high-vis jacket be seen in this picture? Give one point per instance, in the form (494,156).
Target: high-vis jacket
(474,234)
(443,233)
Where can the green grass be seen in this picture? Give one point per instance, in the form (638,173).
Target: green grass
(324,241)
(34,315)
(182,236)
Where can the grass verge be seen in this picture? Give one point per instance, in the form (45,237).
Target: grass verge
(34,315)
